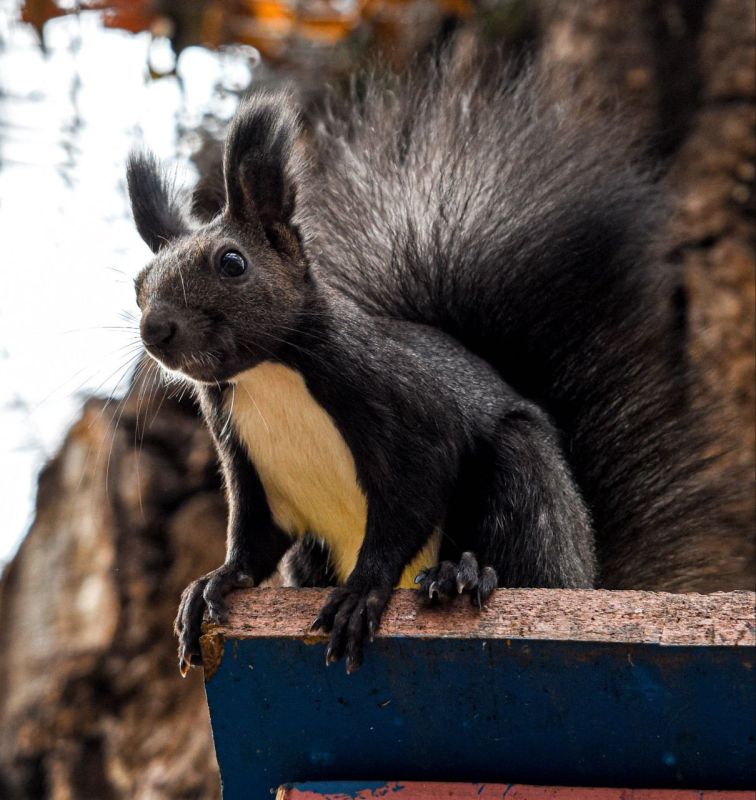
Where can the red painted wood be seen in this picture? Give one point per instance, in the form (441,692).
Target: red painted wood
(491,791)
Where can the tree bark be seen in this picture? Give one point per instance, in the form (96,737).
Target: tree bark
(92,703)
(684,70)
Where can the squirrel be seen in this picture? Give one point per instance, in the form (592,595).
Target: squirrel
(435,343)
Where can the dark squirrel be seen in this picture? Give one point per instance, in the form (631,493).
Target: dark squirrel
(434,341)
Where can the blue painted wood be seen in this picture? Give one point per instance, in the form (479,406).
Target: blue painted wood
(545,712)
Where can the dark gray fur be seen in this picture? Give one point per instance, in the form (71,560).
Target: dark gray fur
(499,206)
(467,278)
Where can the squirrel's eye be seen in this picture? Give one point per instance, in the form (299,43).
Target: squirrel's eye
(232,264)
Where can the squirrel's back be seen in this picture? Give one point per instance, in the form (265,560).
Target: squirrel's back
(491,202)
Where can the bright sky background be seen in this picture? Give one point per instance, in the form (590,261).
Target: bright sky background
(69,249)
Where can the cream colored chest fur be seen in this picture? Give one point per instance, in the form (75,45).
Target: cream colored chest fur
(306,467)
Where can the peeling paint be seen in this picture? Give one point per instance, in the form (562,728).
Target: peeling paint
(212,645)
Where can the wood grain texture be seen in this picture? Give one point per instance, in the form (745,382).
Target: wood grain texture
(725,618)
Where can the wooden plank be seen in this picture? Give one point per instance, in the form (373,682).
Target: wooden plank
(423,790)
(564,615)
(543,687)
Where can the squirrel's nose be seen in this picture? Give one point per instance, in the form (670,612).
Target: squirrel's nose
(158,328)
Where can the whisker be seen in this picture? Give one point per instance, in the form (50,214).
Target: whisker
(145,375)
(130,363)
(120,408)
(183,287)
(262,416)
(125,369)
(226,427)
(159,383)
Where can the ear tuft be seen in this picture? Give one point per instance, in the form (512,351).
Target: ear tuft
(260,161)
(154,202)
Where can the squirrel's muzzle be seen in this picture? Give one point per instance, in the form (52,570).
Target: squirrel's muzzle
(158,328)
(163,334)
(179,339)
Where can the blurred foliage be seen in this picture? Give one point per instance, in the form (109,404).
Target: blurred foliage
(312,41)
(272,26)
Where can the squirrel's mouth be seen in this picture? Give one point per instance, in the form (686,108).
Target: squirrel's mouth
(202,367)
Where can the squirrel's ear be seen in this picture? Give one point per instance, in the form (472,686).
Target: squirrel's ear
(260,161)
(154,202)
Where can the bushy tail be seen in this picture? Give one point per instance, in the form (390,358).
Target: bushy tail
(490,201)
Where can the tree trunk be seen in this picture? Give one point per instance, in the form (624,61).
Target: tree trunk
(92,703)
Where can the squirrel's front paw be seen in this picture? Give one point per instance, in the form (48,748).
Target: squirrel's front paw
(208,593)
(351,615)
(440,584)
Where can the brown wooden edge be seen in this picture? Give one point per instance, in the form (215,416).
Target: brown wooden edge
(724,618)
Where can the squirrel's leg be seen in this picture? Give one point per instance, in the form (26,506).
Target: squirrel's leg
(307,563)
(254,546)
(393,537)
(518,509)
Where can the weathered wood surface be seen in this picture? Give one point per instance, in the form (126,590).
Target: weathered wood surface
(549,687)
(724,618)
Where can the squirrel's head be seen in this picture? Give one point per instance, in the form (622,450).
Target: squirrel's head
(219,298)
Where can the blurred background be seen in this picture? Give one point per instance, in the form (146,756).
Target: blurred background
(109,492)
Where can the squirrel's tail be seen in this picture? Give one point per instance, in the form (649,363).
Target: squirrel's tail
(494,203)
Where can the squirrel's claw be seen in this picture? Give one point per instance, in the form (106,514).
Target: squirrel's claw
(351,616)
(440,584)
(207,594)
(184,662)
